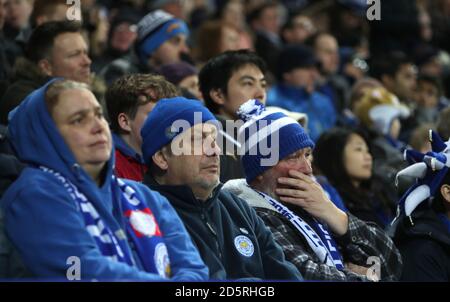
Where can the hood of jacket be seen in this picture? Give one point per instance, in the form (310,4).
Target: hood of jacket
(37,141)
(24,69)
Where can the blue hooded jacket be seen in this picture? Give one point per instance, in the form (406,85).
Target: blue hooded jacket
(46,226)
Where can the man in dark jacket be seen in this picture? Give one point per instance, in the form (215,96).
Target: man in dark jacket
(55,49)
(422,229)
(180,149)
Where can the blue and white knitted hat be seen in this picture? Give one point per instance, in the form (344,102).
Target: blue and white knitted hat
(156,28)
(429,169)
(267,137)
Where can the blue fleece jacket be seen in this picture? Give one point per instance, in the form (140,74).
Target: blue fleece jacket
(45,225)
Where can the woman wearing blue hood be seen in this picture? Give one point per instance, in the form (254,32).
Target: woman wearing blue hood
(69,217)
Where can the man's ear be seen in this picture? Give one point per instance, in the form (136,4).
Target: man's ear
(160,159)
(217,96)
(45,66)
(124,122)
(445,192)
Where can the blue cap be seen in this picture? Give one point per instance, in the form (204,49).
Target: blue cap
(159,129)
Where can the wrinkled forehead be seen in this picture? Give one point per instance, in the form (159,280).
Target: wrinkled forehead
(299,153)
(73,100)
(202,129)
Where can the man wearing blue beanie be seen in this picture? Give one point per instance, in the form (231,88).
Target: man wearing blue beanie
(323,242)
(180,149)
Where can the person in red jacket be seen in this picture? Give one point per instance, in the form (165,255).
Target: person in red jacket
(129,100)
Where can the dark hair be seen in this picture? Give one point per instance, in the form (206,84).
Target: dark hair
(123,95)
(431,80)
(41,41)
(328,158)
(328,154)
(216,73)
(45,7)
(389,64)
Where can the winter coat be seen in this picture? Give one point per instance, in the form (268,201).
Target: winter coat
(425,246)
(46,225)
(231,238)
(361,241)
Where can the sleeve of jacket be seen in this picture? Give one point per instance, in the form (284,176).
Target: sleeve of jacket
(185,261)
(424,261)
(298,253)
(365,244)
(276,266)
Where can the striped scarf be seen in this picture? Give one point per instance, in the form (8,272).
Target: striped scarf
(141,227)
(316,235)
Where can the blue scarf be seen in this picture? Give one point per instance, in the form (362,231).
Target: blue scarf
(315,234)
(141,227)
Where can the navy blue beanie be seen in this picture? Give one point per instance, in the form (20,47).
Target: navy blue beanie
(258,133)
(156,28)
(157,130)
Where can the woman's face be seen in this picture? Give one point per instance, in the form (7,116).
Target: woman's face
(357,159)
(79,118)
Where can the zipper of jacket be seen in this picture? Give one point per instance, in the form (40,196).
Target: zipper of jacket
(204,217)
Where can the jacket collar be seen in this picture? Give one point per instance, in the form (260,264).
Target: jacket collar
(291,90)
(24,69)
(125,149)
(181,196)
(240,188)
(427,223)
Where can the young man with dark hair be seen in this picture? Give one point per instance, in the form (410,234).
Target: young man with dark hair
(397,73)
(49,10)
(129,100)
(55,49)
(226,82)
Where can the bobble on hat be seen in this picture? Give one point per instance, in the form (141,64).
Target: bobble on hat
(250,109)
